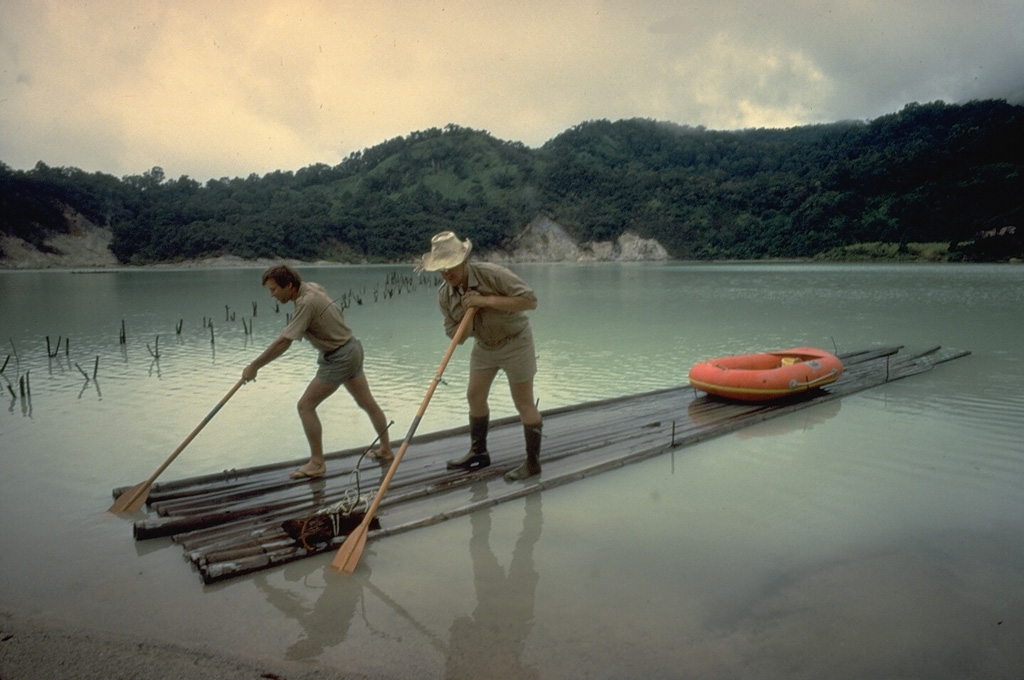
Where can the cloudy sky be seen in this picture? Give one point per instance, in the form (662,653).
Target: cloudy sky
(225,88)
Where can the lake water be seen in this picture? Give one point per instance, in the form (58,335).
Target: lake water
(881,535)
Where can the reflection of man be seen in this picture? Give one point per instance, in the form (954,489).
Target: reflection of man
(327,621)
(490,643)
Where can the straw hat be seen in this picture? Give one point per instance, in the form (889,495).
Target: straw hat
(446,251)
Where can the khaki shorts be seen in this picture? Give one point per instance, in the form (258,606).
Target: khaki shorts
(341,365)
(516,357)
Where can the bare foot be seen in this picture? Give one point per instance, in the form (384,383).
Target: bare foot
(308,471)
(381,455)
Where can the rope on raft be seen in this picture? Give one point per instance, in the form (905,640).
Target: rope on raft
(337,519)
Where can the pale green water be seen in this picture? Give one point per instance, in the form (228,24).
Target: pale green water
(878,536)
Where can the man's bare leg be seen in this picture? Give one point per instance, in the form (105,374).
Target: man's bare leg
(522,397)
(359,388)
(314,395)
(477,391)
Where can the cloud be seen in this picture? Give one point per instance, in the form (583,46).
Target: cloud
(230,88)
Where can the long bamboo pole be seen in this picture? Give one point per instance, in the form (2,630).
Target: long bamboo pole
(135,497)
(352,549)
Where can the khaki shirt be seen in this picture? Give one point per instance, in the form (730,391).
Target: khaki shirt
(491,328)
(317,319)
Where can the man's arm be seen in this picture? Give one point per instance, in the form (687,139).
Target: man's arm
(276,349)
(501,303)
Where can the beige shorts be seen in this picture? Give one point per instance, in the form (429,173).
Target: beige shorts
(516,357)
(341,365)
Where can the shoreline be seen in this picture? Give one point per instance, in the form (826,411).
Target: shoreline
(33,648)
(235,262)
(89,252)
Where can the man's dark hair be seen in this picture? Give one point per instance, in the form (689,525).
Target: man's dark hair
(282,275)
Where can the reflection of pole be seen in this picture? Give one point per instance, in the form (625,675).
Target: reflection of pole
(398,609)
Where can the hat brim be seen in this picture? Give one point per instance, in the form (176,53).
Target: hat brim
(432,262)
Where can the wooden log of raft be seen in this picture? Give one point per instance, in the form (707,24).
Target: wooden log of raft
(741,417)
(246,510)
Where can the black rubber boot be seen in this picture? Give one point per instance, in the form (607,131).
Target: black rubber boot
(531,467)
(477,456)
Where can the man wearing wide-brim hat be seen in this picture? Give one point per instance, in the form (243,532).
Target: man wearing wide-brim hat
(502,340)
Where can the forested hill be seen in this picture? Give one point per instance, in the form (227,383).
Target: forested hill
(933,173)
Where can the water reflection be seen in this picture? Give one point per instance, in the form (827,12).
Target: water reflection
(938,453)
(96,384)
(318,489)
(24,390)
(490,641)
(802,420)
(326,623)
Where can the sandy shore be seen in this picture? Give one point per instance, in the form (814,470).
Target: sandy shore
(31,650)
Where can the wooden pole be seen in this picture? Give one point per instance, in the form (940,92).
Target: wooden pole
(352,549)
(135,497)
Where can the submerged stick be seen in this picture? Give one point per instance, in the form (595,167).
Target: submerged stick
(56,350)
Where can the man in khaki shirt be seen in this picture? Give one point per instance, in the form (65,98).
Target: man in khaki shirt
(320,321)
(502,340)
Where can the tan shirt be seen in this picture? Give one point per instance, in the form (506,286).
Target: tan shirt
(317,319)
(491,328)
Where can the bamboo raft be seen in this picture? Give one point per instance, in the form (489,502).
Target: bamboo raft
(231,523)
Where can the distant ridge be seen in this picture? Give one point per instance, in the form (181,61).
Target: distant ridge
(949,177)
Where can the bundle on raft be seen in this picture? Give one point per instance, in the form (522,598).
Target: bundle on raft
(321,527)
(766,375)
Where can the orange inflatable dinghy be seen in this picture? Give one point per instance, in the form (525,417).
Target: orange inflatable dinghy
(768,375)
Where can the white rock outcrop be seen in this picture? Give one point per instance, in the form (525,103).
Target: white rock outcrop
(544,240)
(86,245)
